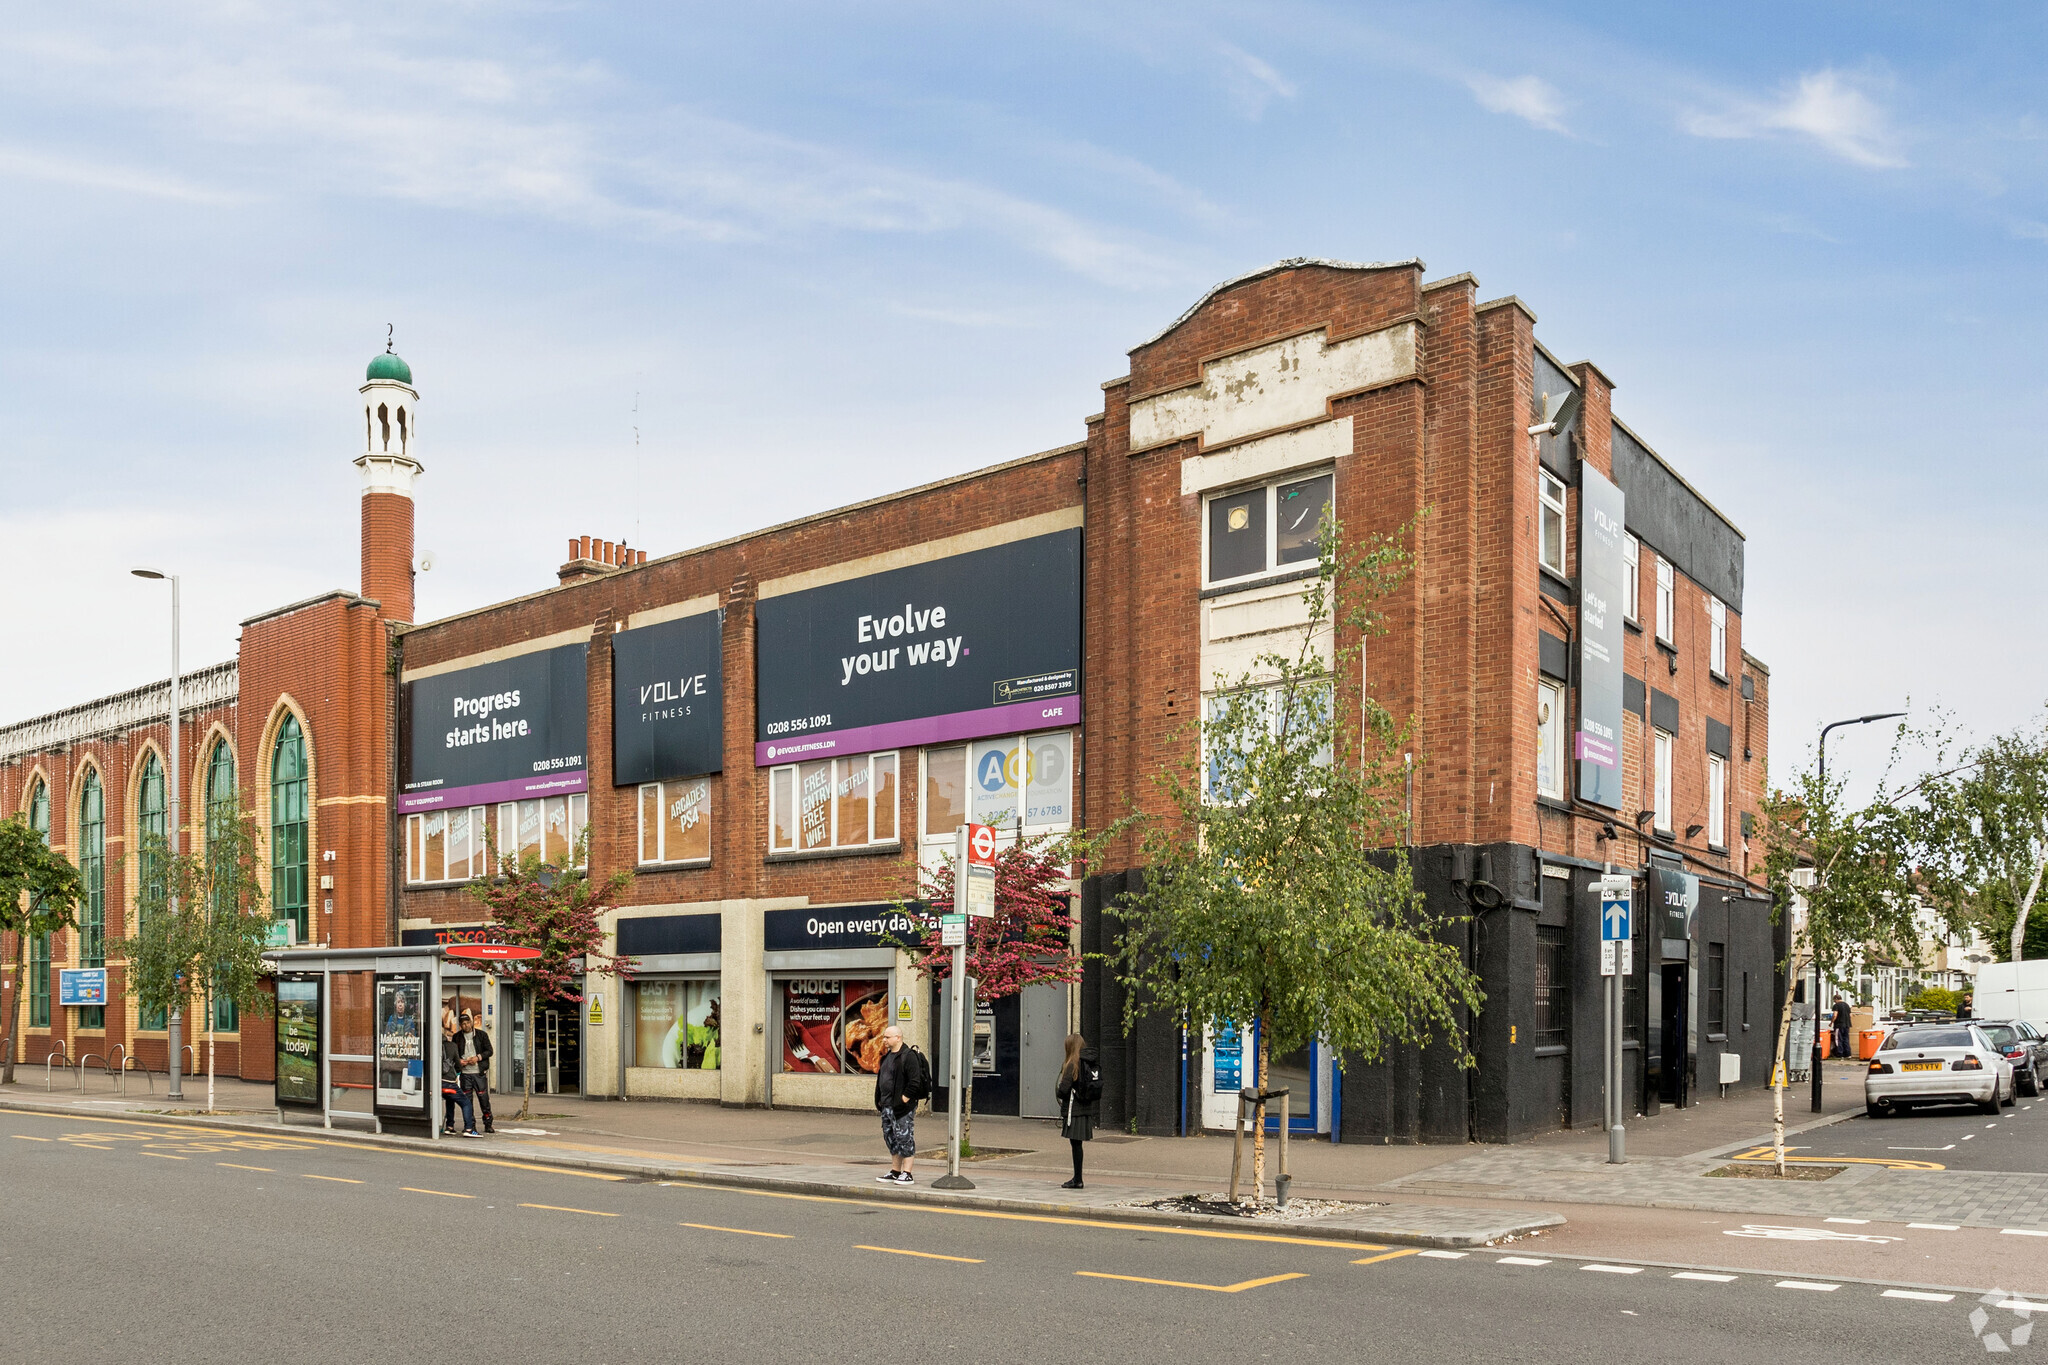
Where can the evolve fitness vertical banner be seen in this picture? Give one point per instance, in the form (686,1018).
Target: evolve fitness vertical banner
(497,732)
(1601,585)
(982,643)
(668,700)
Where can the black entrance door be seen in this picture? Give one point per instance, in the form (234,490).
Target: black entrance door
(1673,1030)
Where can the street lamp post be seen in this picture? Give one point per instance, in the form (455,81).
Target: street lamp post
(176,1022)
(1835,725)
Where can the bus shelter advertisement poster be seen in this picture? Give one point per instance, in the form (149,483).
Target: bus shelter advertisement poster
(401,1043)
(497,732)
(982,643)
(298,1041)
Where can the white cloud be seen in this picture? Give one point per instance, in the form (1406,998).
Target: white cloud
(1251,82)
(1825,106)
(1529,98)
(20,163)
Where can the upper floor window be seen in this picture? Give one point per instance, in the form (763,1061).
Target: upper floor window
(675,821)
(220,787)
(1005,782)
(1632,578)
(451,845)
(1667,600)
(39,809)
(1550,542)
(39,945)
(92,867)
(289,827)
(1717,801)
(149,811)
(1661,803)
(1260,530)
(1717,644)
(1303,711)
(1550,740)
(832,803)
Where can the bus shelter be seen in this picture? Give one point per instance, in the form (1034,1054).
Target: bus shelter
(358,1024)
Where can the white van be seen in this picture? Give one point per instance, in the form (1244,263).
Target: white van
(2012,990)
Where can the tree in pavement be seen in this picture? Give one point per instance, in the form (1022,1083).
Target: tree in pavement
(1278,895)
(1984,837)
(1029,941)
(39,894)
(201,925)
(557,910)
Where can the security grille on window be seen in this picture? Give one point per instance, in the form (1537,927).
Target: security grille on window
(832,803)
(1553,1012)
(1717,644)
(1717,990)
(1667,599)
(1662,804)
(675,821)
(1717,800)
(449,845)
(1261,530)
(1632,587)
(1550,491)
(1550,740)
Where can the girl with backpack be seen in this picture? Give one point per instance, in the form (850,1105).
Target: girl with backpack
(1079,1092)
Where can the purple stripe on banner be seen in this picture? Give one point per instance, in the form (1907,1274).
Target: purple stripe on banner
(1048,714)
(1594,749)
(540,784)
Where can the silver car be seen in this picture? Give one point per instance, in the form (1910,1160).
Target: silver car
(1937,1064)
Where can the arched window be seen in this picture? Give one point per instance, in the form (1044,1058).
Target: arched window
(403,434)
(153,852)
(220,812)
(39,945)
(384,423)
(288,826)
(92,868)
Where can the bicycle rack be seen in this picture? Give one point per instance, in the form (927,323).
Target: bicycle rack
(50,1059)
(89,1057)
(192,1070)
(126,1063)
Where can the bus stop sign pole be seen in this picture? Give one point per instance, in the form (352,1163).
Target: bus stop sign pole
(957,1025)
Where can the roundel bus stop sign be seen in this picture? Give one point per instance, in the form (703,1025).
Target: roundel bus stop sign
(974,889)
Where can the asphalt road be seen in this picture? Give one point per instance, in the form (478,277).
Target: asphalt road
(1954,1136)
(131,1241)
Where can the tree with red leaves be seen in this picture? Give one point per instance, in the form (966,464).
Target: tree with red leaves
(556,910)
(1029,941)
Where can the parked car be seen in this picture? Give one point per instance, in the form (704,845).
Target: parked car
(2024,1046)
(1937,1064)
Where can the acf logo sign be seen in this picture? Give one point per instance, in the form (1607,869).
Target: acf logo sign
(1033,771)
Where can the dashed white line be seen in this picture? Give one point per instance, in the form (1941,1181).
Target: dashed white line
(1615,1269)
(1445,1255)
(1967,1137)
(2022,1232)
(1936,1227)
(1858,1221)
(2020,1305)
(1918,1295)
(1814,1285)
(1520,1260)
(1703,1275)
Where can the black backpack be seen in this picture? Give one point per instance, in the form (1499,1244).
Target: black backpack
(917,1074)
(1088,1083)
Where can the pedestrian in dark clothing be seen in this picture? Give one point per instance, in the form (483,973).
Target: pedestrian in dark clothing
(898,1109)
(1964,1010)
(473,1055)
(452,1093)
(1078,1093)
(1841,1027)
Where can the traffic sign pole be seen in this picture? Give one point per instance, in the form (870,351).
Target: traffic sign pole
(1616,962)
(956,1074)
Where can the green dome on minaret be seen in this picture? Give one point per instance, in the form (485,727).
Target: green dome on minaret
(390,366)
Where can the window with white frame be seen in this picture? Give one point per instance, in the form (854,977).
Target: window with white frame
(1311,707)
(1260,530)
(1717,645)
(450,845)
(1632,585)
(998,782)
(1717,801)
(1550,544)
(675,821)
(1667,599)
(1549,739)
(832,803)
(1661,805)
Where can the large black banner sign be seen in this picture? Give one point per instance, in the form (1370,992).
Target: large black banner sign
(838,926)
(497,732)
(668,700)
(982,643)
(1601,584)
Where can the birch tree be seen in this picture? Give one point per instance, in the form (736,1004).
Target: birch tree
(1984,840)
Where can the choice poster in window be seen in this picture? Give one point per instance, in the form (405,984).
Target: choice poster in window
(298,1040)
(401,1055)
(516,728)
(1601,601)
(982,643)
(833,1025)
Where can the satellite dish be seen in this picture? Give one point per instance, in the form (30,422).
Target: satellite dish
(426,560)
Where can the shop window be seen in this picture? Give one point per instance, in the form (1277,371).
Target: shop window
(1717,640)
(1661,805)
(832,1024)
(1551,1026)
(92,868)
(1632,584)
(289,830)
(675,821)
(1667,600)
(833,803)
(676,1024)
(1259,530)
(450,846)
(1550,740)
(1717,801)
(1550,547)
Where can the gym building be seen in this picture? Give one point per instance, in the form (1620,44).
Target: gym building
(774,731)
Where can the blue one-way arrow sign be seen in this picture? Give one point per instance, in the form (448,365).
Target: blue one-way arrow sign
(1614,912)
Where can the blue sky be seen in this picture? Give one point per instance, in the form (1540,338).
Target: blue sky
(670,273)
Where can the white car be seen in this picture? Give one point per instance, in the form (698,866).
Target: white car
(1937,1064)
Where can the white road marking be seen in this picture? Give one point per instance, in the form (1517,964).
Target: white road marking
(1444,1255)
(1990,1125)
(1917,1295)
(1808,1284)
(1949,1148)
(1615,1269)
(1858,1221)
(2018,1305)
(1968,1136)
(1520,1260)
(1936,1227)
(1703,1275)
(2022,1232)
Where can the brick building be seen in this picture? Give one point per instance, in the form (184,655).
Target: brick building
(773,731)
